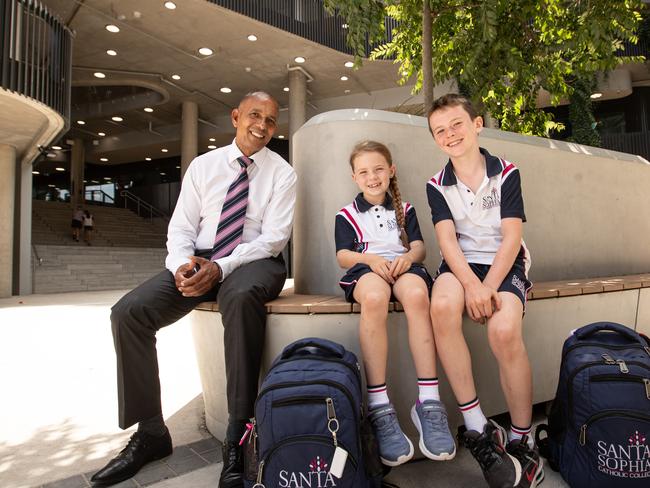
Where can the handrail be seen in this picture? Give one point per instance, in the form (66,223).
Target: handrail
(142,205)
(38,258)
(36,54)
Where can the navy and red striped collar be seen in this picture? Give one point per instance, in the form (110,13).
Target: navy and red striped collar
(493,167)
(362,205)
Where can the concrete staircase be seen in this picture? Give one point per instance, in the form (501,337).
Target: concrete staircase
(82,268)
(114,227)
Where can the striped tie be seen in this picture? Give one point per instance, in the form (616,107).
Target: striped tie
(233,213)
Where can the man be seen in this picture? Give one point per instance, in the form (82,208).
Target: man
(210,255)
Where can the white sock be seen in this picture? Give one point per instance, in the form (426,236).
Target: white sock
(516,433)
(473,415)
(377,395)
(428,389)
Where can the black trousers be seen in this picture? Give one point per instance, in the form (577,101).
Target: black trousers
(156,303)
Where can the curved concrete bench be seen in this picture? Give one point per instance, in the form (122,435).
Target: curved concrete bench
(554,310)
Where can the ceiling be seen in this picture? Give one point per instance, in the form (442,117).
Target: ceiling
(155,43)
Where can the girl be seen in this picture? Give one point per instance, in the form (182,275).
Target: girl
(88,222)
(378,241)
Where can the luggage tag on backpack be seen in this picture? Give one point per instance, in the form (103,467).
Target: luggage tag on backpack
(338,462)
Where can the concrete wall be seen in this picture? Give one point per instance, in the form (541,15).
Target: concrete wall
(7,190)
(586,207)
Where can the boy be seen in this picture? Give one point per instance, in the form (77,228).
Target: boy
(477,211)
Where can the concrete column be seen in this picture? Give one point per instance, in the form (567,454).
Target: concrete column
(77,163)
(189,134)
(7,192)
(297,100)
(23,270)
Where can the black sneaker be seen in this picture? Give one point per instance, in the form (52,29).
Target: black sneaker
(531,464)
(500,469)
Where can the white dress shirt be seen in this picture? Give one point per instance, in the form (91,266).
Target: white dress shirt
(269,215)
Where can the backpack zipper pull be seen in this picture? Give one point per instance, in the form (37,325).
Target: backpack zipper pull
(622,366)
(583,435)
(332,421)
(646,382)
(258,482)
(608,359)
(253,434)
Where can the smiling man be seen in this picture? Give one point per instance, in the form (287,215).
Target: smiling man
(232,220)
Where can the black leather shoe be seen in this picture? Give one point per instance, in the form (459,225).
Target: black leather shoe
(141,449)
(232,473)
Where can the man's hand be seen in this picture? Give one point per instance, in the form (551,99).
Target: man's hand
(192,284)
(400,265)
(481,301)
(381,266)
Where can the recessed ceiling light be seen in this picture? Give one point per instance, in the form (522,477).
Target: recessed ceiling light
(212,139)
(147,159)
(60,169)
(101,134)
(117,118)
(112,28)
(252,38)
(286,88)
(56,148)
(178,167)
(81,122)
(299,59)
(111,52)
(163,174)
(349,64)
(344,78)
(205,51)
(212,146)
(103,160)
(280,136)
(94,181)
(99,75)
(345,26)
(596,95)
(248,69)
(176,77)
(36,172)
(50,155)
(170,5)
(51,186)
(85,181)
(107,177)
(164,150)
(148,109)
(225,89)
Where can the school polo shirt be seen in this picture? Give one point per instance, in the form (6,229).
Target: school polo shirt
(366,228)
(477,217)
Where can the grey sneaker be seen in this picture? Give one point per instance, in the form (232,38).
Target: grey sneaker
(394,447)
(436,441)
(500,469)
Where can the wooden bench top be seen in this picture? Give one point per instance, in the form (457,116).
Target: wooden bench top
(290,302)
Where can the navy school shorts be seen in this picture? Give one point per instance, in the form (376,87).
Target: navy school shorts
(349,281)
(515,281)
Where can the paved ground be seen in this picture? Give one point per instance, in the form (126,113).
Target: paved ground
(58,421)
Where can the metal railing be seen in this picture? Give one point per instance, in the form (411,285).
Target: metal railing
(630,142)
(304,18)
(139,206)
(35,54)
(99,196)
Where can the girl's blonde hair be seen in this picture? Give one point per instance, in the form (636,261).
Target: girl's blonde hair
(378,147)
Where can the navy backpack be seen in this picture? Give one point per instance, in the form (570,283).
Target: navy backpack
(309,410)
(598,432)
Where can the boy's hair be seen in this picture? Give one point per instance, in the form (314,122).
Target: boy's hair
(452,100)
(378,147)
